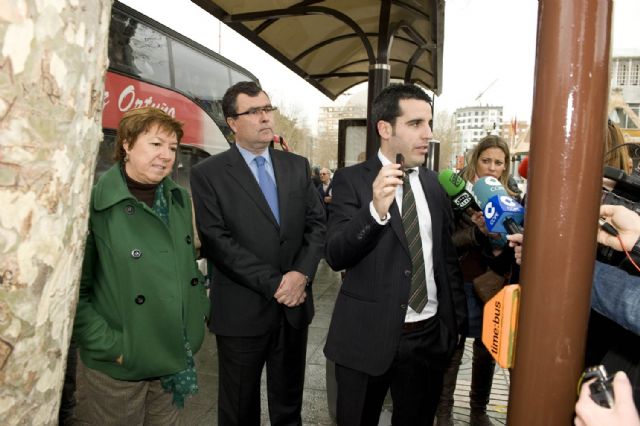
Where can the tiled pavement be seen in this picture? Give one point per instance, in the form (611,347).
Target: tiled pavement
(202,409)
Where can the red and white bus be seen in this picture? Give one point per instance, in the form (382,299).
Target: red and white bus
(152,65)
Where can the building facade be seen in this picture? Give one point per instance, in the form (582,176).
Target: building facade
(472,124)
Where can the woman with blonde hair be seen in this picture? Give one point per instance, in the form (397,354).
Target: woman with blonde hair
(486,266)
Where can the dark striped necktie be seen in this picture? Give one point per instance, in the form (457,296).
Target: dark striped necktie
(418,295)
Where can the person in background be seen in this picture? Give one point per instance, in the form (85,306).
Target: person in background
(614,156)
(401,306)
(262,228)
(486,268)
(315,177)
(325,188)
(142,304)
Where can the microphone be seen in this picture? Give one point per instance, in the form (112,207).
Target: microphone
(523,168)
(502,213)
(455,186)
(626,186)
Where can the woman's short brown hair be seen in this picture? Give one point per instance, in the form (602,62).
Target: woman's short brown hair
(141,120)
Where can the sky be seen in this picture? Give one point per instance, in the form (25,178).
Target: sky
(489,49)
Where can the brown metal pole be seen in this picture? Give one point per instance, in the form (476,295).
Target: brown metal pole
(567,133)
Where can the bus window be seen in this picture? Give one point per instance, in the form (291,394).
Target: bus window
(188,157)
(202,78)
(237,77)
(138,50)
(105,153)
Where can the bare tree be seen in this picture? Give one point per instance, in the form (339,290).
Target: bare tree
(444,130)
(295,133)
(51,88)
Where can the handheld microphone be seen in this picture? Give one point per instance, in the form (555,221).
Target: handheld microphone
(455,186)
(502,213)
(626,186)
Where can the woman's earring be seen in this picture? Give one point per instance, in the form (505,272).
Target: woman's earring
(126,157)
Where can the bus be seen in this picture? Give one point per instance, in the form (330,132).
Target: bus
(152,65)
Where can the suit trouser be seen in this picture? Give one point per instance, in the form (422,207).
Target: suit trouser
(119,402)
(241,360)
(415,378)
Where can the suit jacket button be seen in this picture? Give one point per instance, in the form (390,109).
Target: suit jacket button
(407,273)
(194,281)
(403,306)
(129,209)
(136,253)
(188,239)
(140,299)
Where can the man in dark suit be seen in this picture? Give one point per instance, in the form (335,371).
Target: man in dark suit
(401,306)
(262,227)
(324,189)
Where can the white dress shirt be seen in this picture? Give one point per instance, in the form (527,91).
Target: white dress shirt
(426,237)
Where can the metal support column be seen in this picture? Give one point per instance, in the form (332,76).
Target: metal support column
(379,76)
(567,143)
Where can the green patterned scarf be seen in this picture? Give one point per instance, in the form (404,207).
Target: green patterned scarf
(183,383)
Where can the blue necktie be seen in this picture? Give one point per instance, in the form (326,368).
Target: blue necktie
(268,187)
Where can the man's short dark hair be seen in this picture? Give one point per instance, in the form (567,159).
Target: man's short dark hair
(229,100)
(386,106)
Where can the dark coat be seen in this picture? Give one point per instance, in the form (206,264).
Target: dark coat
(140,286)
(372,304)
(249,251)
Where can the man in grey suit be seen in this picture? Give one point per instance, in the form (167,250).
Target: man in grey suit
(262,227)
(401,306)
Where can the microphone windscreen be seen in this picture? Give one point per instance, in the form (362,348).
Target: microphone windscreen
(523,168)
(451,182)
(487,187)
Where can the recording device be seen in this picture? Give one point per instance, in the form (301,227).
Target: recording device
(400,160)
(455,186)
(601,388)
(607,227)
(626,186)
(502,213)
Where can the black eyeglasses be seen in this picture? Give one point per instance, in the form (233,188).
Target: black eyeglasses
(254,112)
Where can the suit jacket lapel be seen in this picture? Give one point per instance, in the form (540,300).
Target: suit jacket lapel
(240,171)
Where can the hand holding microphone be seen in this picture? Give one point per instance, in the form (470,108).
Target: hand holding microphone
(502,213)
(625,221)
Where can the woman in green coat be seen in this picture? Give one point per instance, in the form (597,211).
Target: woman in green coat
(142,304)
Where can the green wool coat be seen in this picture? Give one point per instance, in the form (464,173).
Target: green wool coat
(140,286)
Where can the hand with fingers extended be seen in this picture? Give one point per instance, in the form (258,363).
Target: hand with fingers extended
(291,291)
(384,188)
(626,222)
(622,413)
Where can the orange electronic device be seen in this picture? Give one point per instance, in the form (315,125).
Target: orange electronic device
(500,324)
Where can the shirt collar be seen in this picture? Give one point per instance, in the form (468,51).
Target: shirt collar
(384,160)
(249,156)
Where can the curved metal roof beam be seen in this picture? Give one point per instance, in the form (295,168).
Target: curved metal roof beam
(413,9)
(412,62)
(339,38)
(266,24)
(301,11)
(398,61)
(326,42)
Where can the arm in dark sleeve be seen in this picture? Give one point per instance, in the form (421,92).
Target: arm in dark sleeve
(352,231)
(453,267)
(218,244)
(616,295)
(310,253)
